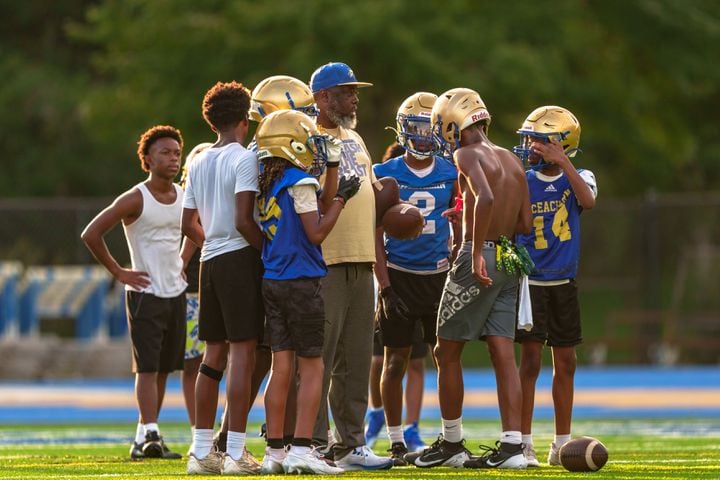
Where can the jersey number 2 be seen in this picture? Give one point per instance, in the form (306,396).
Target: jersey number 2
(429,200)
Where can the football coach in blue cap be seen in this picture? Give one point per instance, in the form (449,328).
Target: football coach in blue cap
(349,253)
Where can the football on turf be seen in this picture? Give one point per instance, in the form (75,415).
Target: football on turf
(403,221)
(387,194)
(583,454)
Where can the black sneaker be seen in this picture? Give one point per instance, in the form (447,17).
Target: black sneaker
(504,455)
(136,451)
(397,454)
(220,442)
(152,448)
(443,453)
(263,431)
(167,453)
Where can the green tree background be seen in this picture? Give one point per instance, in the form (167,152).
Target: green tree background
(82,79)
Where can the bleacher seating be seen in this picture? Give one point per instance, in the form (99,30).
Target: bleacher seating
(77,292)
(10,272)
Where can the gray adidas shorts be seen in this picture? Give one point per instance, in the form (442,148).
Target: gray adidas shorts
(468,310)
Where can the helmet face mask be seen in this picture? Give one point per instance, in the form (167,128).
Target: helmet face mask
(548,123)
(413,125)
(293,136)
(281,92)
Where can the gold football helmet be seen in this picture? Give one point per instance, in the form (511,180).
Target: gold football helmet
(292,135)
(454,111)
(549,123)
(281,92)
(413,124)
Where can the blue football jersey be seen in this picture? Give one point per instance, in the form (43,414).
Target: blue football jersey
(554,242)
(287,253)
(432,194)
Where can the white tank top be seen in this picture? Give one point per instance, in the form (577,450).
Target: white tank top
(154,244)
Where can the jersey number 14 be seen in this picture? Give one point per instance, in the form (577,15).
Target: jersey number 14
(560,228)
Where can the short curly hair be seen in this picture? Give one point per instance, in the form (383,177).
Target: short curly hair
(152,135)
(225,105)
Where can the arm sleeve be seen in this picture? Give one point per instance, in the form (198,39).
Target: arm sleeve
(589,178)
(304,197)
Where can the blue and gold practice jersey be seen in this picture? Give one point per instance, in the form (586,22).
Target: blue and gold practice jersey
(287,253)
(432,194)
(554,242)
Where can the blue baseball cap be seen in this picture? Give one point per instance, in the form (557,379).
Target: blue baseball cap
(334,74)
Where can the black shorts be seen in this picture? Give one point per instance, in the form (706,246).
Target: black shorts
(556,316)
(231,305)
(157,331)
(295,315)
(419,348)
(421,294)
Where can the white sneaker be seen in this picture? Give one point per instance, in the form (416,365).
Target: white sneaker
(363,458)
(210,465)
(554,455)
(531,456)
(273,461)
(308,463)
(246,465)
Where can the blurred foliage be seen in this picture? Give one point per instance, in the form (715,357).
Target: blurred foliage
(83,79)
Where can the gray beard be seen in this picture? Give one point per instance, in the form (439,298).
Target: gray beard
(345,121)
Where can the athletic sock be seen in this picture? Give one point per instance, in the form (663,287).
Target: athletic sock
(140,433)
(527,440)
(202,442)
(152,427)
(561,440)
(513,437)
(452,430)
(395,434)
(235,444)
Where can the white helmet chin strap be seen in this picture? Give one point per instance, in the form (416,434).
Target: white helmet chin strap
(421,156)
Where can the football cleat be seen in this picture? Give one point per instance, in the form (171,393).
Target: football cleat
(375,422)
(363,458)
(210,465)
(152,448)
(443,453)
(397,454)
(136,452)
(504,455)
(553,455)
(308,463)
(531,456)
(411,434)
(245,465)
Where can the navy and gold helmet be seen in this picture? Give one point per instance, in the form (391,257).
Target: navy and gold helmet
(454,111)
(413,124)
(292,135)
(545,124)
(281,92)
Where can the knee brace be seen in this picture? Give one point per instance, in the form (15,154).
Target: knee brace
(211,372)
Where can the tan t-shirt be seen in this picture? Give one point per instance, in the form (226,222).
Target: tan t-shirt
(352,239)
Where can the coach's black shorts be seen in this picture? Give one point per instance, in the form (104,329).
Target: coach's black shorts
(419,348)
(231,305)
(556,316)
(421,294)
(157,330)
(295,315)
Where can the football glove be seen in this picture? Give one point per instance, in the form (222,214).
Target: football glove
(348,187)
(334,151)
(393,306)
